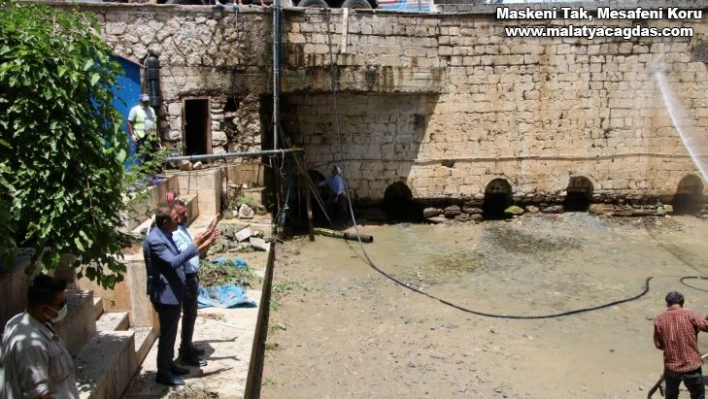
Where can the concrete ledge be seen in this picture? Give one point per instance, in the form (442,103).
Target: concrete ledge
(144,338)
(130,295)
(207,184)
(98,306)
(80,322)
(106,365)
(113,321)
(192,201)
(192,210)
(143,207)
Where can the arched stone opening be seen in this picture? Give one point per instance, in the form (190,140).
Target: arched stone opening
(579,194)
(689,196)
(497,197)
(399,206)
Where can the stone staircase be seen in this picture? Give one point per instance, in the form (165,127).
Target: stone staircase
(109,359)
(112,355)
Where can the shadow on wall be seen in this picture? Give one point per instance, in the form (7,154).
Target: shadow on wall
(381,135)
(689,196)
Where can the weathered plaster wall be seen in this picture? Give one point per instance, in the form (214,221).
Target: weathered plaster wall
(445,103)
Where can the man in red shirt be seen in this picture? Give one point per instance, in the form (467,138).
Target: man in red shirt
(676,333)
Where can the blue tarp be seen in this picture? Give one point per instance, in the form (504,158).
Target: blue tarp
(224,296)
(227,295)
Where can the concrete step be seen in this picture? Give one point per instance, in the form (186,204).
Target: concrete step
(98,306)
(106,365)
(144,338)
(192,201)
(113,321)
(192,210)
(206,182)
(145,203)
(80,322)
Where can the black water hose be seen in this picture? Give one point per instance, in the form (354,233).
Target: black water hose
(448,303)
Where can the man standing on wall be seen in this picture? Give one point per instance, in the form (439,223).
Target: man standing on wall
(676,333)
(142,126)
(167,286)
(34,362)
(188,353)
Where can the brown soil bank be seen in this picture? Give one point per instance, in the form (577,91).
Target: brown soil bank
(341,329)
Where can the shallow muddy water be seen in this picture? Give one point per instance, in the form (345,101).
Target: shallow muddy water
(352,332)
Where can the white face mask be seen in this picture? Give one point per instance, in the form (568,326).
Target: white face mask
(61,314)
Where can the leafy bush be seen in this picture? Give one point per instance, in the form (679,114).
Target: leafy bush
(212,274)
(62,168)
(238,201)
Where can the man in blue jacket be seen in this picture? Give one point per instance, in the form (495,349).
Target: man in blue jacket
(336,201)
(167,286)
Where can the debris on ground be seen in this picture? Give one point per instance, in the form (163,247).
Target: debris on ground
(193,393)
(227,271)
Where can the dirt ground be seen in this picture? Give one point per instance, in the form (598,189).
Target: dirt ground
(340,328)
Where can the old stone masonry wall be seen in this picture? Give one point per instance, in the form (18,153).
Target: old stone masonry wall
(535,112)
(445,103)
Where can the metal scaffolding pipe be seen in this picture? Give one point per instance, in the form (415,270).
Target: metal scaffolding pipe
(276,71)
(228,155)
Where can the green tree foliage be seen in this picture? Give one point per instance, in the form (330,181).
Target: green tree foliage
(61,169)
(7,232)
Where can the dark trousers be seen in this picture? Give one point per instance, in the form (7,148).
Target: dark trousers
(146,147)
(169,321)
(339,209)
(189,314)
(692,379)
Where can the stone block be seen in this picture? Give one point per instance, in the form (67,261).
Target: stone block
(80,322)
(98,306)
(106,365)
(113,321)
(144,339)
(129,295)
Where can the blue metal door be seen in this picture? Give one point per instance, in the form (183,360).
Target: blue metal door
(126,94)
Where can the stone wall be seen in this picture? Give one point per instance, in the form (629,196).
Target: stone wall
(200,58)
(444,103)
(535,112)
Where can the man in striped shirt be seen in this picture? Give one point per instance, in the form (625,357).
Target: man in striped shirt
(676,333)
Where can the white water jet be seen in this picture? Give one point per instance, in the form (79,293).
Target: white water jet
(678,117)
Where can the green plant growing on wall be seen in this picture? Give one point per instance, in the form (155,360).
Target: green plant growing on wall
(62,167)
(238,201)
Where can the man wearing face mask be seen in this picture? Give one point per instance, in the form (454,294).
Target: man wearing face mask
(34,361)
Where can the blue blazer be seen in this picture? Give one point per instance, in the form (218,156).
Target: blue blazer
(165,268)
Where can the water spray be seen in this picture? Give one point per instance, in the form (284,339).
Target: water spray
(678,116)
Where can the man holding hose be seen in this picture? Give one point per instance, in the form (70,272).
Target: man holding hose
(676,333)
